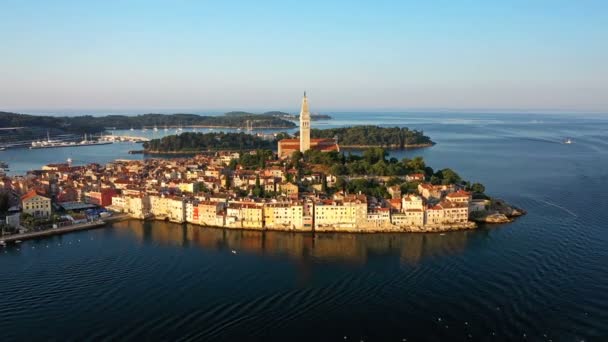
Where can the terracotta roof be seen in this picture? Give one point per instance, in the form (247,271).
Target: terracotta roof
(459,193)
(30,194)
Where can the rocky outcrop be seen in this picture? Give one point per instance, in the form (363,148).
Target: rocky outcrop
(499,211)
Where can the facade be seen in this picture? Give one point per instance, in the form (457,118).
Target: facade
(102,198)
(36,204)
(283,216)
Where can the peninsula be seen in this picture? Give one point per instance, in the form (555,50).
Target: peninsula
(314,188)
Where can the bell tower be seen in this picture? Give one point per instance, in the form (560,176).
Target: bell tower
(304,126)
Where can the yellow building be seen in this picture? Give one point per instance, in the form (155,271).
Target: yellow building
(288,189)
(245,215)
(167,207)
(339,214)
(36,204)
(283,215)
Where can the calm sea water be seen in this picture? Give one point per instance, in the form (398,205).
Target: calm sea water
(542,277)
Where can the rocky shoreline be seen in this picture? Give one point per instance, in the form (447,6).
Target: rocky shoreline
(499,211)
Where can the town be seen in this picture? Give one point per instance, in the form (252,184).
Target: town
(213,190)
(308,185)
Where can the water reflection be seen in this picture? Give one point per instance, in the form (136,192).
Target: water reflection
(351,248)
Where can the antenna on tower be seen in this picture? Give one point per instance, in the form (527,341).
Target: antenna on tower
(304,93)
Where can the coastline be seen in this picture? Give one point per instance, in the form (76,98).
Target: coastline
(63,230)
(470,225)
(393,147)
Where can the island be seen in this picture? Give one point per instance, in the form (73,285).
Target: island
(190,142)
(355,137)
(375,136)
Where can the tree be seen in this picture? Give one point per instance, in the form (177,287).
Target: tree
(323,183)
(4,202)
(448,176)
(258,190)
(415,165)
(478,188)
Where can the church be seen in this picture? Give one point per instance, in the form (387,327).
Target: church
(304,143)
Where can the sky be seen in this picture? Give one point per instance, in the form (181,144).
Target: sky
(521,55)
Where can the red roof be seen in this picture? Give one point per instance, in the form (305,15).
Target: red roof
(459,193)
(30,194)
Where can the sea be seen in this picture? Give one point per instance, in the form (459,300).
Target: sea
(543,277)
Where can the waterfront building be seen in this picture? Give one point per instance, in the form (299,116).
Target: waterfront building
(283,215)
(36,204)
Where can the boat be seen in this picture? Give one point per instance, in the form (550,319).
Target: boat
(131,129)
(155,129)
(568,141)
(2,148)
(56,143)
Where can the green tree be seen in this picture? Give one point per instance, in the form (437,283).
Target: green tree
(478,188)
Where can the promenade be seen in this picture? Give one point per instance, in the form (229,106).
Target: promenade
(63,230)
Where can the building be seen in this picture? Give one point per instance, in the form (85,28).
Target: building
(36,204)
(102,198)
(304,125)
(283,215)
(287,147)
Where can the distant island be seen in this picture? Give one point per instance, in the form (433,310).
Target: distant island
(375,136)
(189,142)
(26,126)
(348,137)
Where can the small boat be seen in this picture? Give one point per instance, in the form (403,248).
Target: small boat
(568,141)
(2,148)
(17,241)
(233,251)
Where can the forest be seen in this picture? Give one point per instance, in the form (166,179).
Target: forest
(97,124)
(390,137)
(197,142)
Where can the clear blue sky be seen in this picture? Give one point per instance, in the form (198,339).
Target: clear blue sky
(206,55)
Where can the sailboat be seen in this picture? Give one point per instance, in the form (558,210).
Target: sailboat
(568,141)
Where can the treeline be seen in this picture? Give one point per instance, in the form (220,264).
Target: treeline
(375,162)
(96,124)
(393,137)
(195,142)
